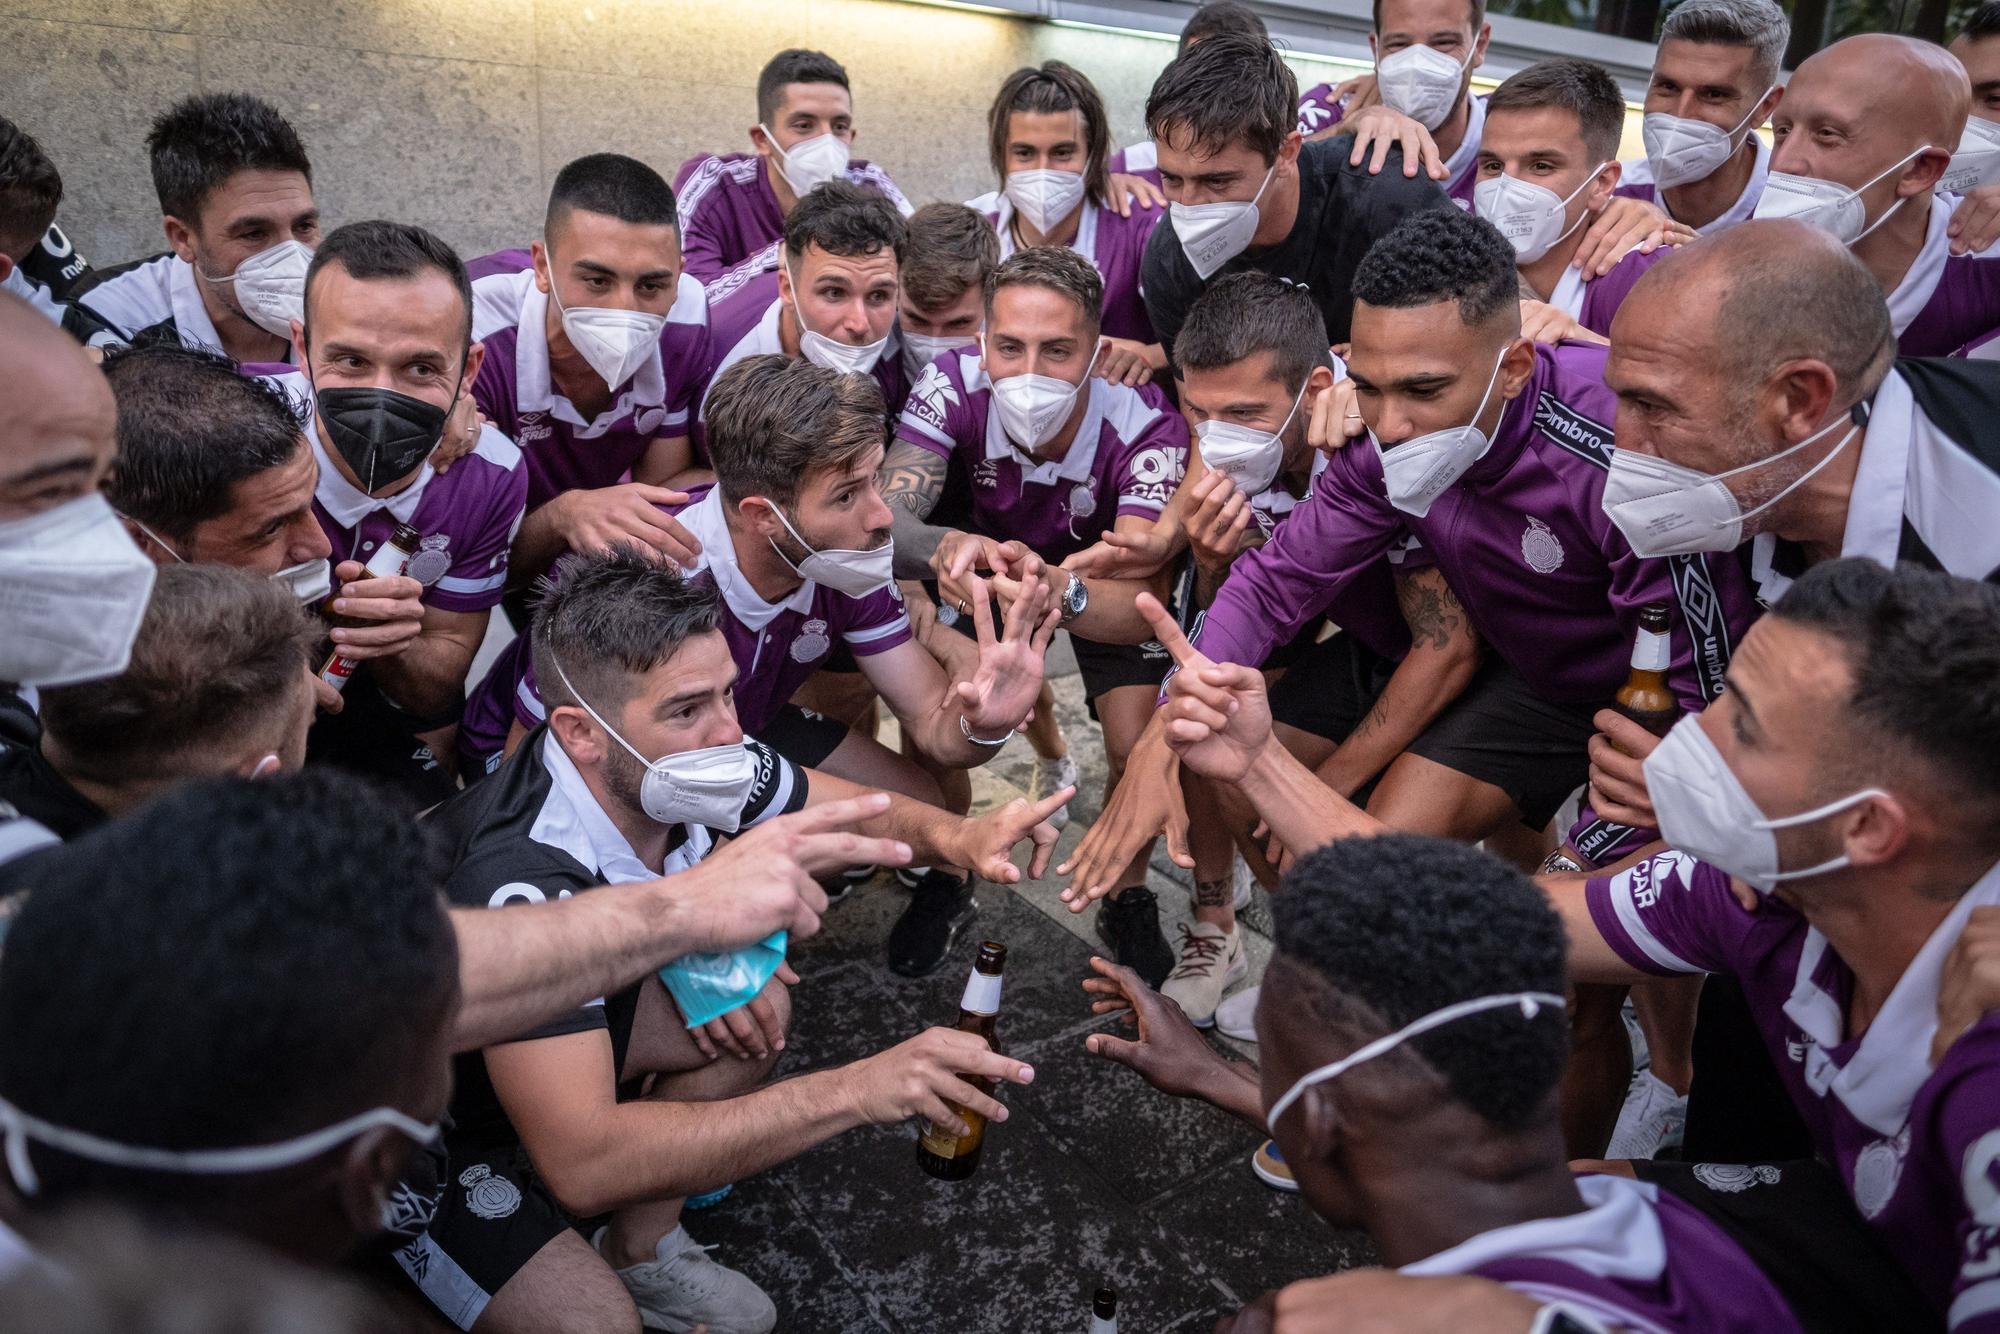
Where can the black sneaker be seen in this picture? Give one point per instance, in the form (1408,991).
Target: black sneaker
(941,907)
(839,886)
(1130,925)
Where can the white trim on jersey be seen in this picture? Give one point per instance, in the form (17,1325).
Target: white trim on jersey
(1920,280)
(572,822)
(1000,209)
(21,836)
(1639,171)
(1651,871)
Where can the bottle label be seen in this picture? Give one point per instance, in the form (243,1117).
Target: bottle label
(1100,1325)
(945,1143)
(982,994)
(1651,652)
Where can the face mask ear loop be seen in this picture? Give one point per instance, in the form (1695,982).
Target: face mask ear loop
(18,1164)
(595,716)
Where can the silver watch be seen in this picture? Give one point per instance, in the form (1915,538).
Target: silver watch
(1075,597)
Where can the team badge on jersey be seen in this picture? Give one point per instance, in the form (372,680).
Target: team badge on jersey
(431,560)
(1735,1178)
(812,643)
(488,1196)
(1540,548)
(934,393)
(650,420)
(1878,1169)
(1082,501)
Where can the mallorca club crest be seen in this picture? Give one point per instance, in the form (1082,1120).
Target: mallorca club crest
(812,642)
(1540,548)
(1735,1178)
(431,560)
(488,1196)
(1878,1169)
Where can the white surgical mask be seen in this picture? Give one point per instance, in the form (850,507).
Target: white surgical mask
(1977,161)
(271,286)
(1033,408)
(1247,456)
(20,1129)
(920,350)
(1529,1003)
(1830,207)
(1705,812)
(309,581)
(1417,471)
(856,573)
(1530,216)
(1421,82)
(616,343)
(1044,196)
(809,162)
(73,589)
(1213,234)
(1665,509)
(708,787)
(834,356)
(1680,149)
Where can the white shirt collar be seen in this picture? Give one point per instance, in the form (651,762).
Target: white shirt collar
(1569,293)
(191,319)
(1753,190)
(1467,156)
(1275,500)
(1074,466)
(348,504)
(534,387)
(1875,505)
(1617,1236)
(1085,243)
(571,819)
(1882,1077)
(1920,280)
(706,520)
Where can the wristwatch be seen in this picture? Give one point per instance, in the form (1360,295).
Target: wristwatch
(1075,597)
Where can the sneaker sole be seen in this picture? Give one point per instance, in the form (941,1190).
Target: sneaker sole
(964,918)
(1239,971)
(1272,1179)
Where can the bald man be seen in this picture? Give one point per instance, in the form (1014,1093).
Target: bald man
(1864,133)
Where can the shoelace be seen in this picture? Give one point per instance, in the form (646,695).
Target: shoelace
(1199,953)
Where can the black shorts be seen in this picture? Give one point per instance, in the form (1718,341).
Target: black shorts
(1329,686)
(802,736)
(1797,1223)
(488,1221)
(373,738)
(1104,667)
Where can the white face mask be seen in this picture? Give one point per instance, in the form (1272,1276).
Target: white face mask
(1213,234)
(809,162)
(1044,196)
(1706,813)
(1530,216)
(1417,471)
(1033,408)
(1680,149)
(20,1129)
(1977,161)
(1529,1003)
(616,343)
(1250,458)
(271,286)
(1421,82)
(1664,509)
(73,589)
(309,581)
(834,356)
(708,787)
(856,573)
(920,350)
(1832,208)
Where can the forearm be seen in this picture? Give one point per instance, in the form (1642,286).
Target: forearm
(913,478)
(537,545)
(938,732)
(1302,812)
(1233,1087)
(1591,958)
(934,835)
(1112,615)
(916,542)
(427,678)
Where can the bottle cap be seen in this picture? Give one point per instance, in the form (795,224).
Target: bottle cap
(1105,1303)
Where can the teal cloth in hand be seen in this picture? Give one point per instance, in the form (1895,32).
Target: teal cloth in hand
(708,985)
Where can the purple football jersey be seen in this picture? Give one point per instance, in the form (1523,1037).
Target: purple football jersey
(1319,110)
(1918,1149)
(729,211)
(1128,455)
(743,311)
(1945,301)
(776,646)
(1636,1258)
(1592,302)
(564,452)
(1636,182)
(468,516)
(1546,578)
(1114,244)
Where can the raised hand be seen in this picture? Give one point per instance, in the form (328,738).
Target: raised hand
(1218,716)
(1383,128)
(624,515)
(1167,1051)
(766,879)
(1219,528)
(927,1075)
(1624,225)
(1146,803)
(986,844)
(1335,419)
(388,611)
(1002,691)
(1119,555)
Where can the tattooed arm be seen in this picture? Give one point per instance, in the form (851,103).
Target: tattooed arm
(912,479)
(1444,653)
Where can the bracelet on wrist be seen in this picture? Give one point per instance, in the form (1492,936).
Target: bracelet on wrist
(966,728)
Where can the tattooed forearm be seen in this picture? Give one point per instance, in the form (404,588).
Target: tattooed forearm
(1212,893)
(1431,608)
(912,480)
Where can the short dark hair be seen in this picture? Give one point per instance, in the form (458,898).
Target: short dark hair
(610,617)
(200,142)
(30,190)
(388,250)
(951,247)
(1242,314)
(218,653)
(1441,254)
(615,185)
(1982,22)
(1053,88)
(1924,649)
(1223,17)
(1476,10)
(292,982)
(190,428)
(773,422)
(1230,89)
(1576,86)
(795,65)
(845,219)
(1386,930)
(1056,267)
(1758,24)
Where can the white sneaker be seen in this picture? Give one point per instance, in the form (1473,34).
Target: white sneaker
(1052,776)
(1235,1017)
(1654,1117)
(683,1288)
(1211,960)
(1241,882)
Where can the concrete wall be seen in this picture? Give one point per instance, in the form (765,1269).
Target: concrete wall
(456,114)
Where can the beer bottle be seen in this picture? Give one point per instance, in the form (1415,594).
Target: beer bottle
(943,1154)
(1104,1312)
(1645,698)
(393,557)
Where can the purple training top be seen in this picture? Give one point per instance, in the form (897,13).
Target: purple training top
(729,212)
(1523,541)
(776,646)
(1636,1258)
(515,391)
(1114,244)
(743,311)
(1945,301)
(1592,302)
(1128,455)
(468,516)
(1918,1149)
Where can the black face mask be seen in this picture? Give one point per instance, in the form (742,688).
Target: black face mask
(384,436)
